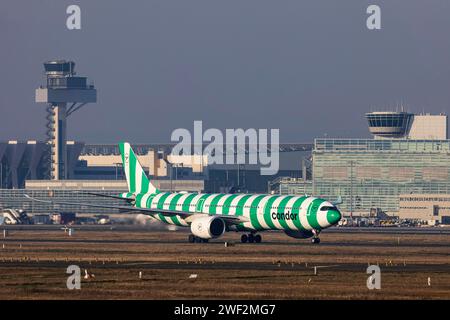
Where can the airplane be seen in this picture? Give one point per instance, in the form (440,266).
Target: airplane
(209,216)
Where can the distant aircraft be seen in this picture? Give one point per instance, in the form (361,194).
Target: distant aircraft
(209,216)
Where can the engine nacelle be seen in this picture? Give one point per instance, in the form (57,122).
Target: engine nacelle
(299,234)
(208,227)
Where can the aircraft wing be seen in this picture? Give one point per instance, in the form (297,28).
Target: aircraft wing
(231,219)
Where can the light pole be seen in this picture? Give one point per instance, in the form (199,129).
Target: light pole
(171,168)
(238,175)
(351,189)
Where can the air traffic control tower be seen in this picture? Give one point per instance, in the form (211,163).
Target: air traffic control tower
(64,93)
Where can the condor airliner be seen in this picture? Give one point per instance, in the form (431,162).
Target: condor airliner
(209,216)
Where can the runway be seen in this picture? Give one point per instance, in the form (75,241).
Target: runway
(160,227)
(34,260)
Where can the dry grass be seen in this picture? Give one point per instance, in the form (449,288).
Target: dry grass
(33,266)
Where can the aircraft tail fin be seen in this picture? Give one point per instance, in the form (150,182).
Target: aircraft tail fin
(137,180)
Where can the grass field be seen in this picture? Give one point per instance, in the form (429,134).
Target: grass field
(33,266)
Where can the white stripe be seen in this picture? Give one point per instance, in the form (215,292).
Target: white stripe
(166,206)
(182,221)
(260,212)
(288,208)
(180,207)
(246,211)
(322,215)
(138,175)
(180,201)
(248,203)
(275,204)
(168,200)
(221,202)
(144,200)
(193,204)
(303,211)
(207,203)
(234,203)
(154,203)
(155,200)
(126,159)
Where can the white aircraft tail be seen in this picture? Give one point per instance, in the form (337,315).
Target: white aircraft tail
(137,180)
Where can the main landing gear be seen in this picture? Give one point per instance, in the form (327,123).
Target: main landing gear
(251,238)
(194,239)
(315,239)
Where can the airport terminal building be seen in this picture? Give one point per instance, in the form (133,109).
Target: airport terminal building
(404,158)
(373,173)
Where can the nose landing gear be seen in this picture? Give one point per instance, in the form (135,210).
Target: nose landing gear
(315,239)
(251,238)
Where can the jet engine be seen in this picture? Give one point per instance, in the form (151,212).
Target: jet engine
(208,227)
(300,234)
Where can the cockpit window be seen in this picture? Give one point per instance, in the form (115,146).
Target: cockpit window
(326,208)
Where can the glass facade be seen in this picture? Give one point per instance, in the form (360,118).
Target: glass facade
(289,185)
(399,119)
(373,173)
(389,124)
(15,199)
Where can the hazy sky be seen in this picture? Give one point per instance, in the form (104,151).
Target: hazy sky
(309,68)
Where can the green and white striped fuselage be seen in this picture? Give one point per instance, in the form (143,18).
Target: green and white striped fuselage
(263,212)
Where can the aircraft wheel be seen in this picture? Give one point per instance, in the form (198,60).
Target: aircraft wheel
(315,240)
(257,238)
(205,240)
(244,238)
(251,238)
(191,238)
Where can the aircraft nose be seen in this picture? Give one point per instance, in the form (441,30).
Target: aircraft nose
(333,216)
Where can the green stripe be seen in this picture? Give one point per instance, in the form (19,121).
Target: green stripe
(187,202)
(312,213)
(138,199)
(254,212)
(173,202)
(240,205)
(267,211)
(144,183)
(173,206)
(161,200)
(199,202)
(161,204)
(281,208)
(296,209)
(227,203)
(132,173)
(214,202)
(209,199)
(149,201)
